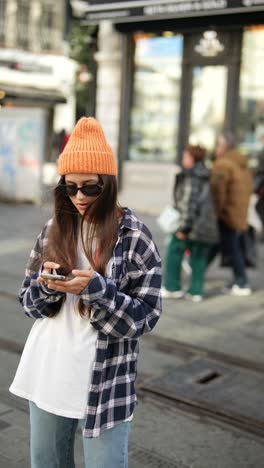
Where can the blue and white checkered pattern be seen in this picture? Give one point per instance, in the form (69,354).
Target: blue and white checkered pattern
(123,307)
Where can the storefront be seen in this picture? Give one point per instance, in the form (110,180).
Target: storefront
(189,69)
(39,81)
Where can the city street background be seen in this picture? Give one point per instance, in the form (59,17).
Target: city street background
(165,434)
(157,77)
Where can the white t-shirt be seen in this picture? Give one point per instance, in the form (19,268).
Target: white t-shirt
(56,366)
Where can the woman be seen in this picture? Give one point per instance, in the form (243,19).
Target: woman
(197,226)
(79,361)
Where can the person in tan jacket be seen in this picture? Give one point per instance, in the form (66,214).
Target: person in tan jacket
(231,184)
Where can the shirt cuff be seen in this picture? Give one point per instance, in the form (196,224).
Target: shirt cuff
(95,289)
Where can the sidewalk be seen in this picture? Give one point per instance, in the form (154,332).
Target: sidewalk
(221,322)
(162,436)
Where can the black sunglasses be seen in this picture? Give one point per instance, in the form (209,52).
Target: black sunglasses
(90,190)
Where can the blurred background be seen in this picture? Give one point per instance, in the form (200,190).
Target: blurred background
(157,74)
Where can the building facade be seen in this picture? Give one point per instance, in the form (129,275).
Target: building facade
(33,25)
(173,72)
(35,70)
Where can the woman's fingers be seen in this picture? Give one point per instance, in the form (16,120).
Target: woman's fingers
(40,280)
(47,267)
(50,265)
(74,285)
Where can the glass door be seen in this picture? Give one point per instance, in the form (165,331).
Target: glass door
(208,104)
(251,99)
(155,103)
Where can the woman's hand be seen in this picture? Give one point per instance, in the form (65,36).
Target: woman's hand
(72,286)
(47,268)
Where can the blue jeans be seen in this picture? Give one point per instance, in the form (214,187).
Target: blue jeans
(230,246)
(52,443)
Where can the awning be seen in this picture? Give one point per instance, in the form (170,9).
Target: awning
(126,11)
(30,94)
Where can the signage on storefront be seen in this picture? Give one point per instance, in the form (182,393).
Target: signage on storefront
(123,11)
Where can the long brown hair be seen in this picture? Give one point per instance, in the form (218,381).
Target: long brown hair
(102,228)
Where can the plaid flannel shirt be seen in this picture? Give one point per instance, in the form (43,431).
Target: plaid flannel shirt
(123,307)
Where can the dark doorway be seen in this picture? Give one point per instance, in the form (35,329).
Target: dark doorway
(210,86)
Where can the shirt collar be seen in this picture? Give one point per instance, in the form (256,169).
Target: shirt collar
(129,220)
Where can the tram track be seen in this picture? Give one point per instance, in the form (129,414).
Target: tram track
(209,379)
(11,346)
(192,386)
(189,407)
(167,345)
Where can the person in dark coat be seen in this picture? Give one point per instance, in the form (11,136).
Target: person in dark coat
(259,183)
(231,183)
(197,227)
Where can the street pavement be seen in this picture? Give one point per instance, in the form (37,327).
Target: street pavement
(163,435)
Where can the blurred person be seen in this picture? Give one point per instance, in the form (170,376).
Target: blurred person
(64,139)
(59,141)
(79,361)
(259,183)
(231,183)
(197,229)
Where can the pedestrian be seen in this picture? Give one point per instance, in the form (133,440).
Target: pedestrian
(79,361)
(64,139)
(197,226)
(258,186)
(231,182)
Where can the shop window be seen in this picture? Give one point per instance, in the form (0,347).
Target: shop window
(251,104)
(156,97)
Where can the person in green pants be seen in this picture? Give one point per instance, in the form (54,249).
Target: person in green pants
(197,227)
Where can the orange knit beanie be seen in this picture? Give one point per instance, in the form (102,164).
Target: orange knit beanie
(87,151)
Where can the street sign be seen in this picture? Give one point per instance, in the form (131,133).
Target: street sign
(124,11)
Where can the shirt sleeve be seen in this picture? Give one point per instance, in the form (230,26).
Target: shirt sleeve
(136,310)
(37,300)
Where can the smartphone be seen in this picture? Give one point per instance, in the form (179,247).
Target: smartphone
(53,276)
